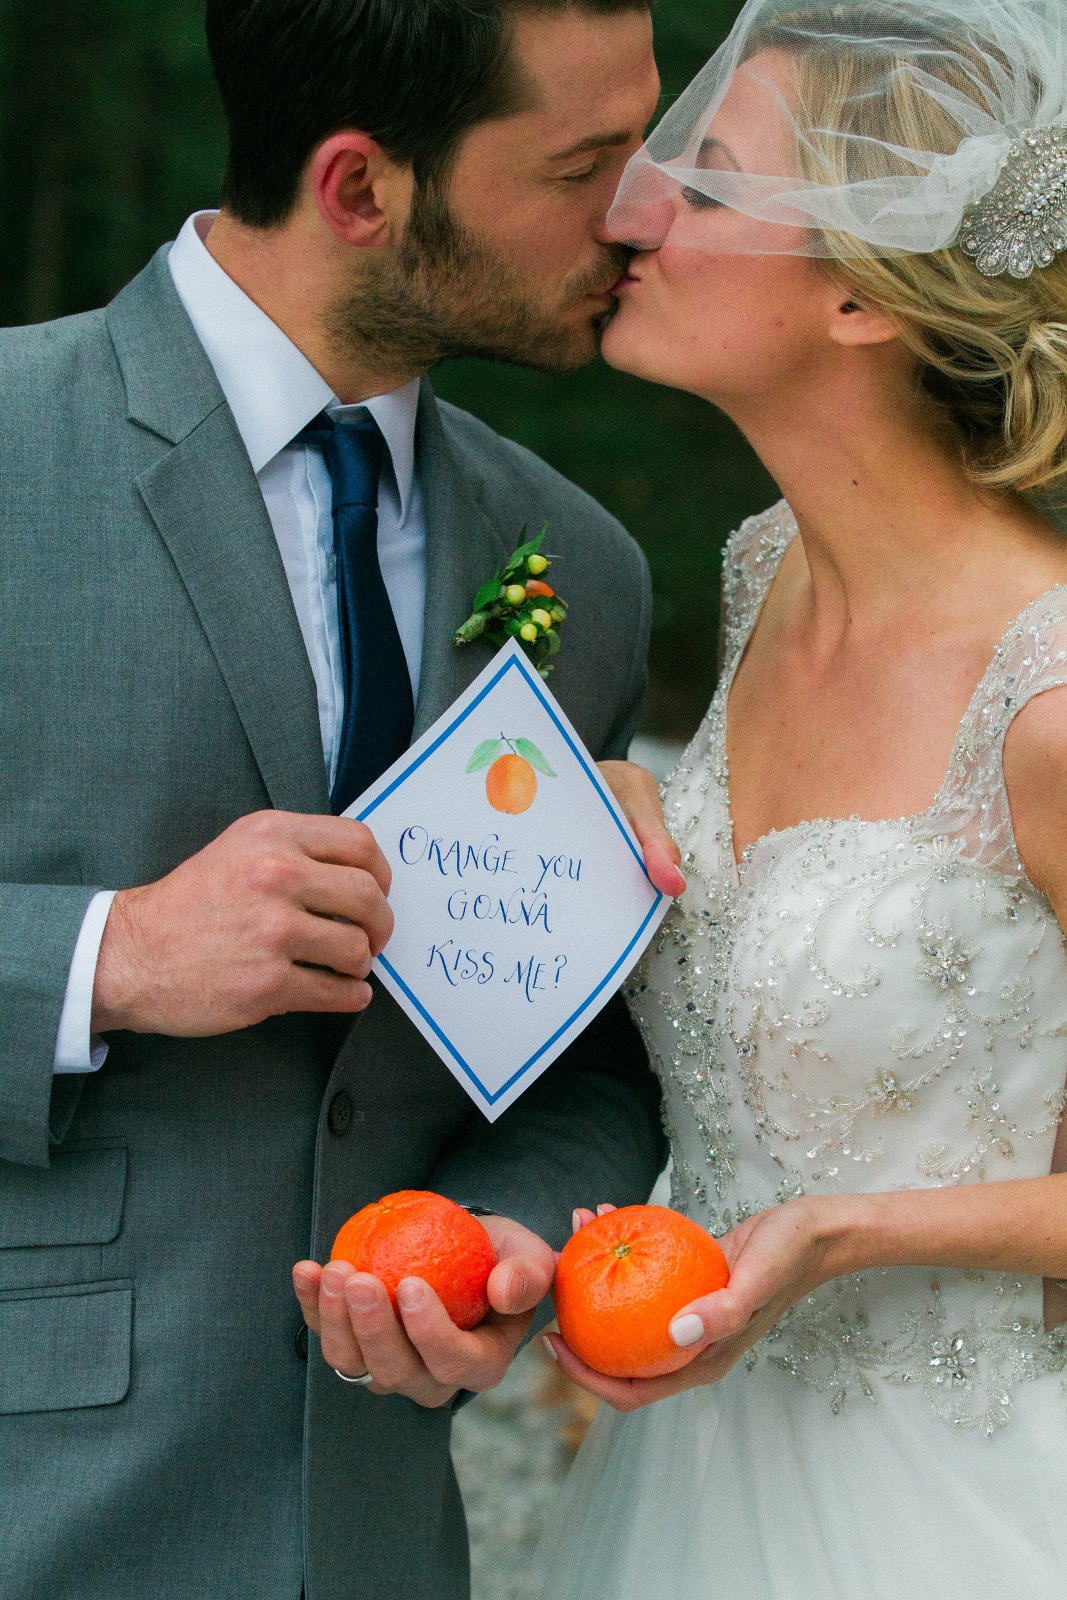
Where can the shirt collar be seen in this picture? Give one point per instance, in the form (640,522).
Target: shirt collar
(270,386)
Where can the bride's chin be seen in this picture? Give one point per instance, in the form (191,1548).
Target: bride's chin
(627,347)
(621,343)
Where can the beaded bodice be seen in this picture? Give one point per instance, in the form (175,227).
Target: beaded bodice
(867,1005)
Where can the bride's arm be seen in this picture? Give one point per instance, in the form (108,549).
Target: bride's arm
(1035,778)
(781,1255)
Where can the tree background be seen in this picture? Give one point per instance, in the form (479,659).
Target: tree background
(112,135)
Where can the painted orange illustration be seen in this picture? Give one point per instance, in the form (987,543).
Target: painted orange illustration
(511,779)
(511,785)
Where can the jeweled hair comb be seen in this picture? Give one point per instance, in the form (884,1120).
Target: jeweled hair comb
(1021,223)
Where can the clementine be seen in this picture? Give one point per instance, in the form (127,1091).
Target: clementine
(511,784)
(416,1234)
(622,1278)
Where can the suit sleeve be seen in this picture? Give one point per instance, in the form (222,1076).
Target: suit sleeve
(589,1129)
(39,929)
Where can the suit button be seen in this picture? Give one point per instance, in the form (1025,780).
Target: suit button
(301,1342)
(339,1116)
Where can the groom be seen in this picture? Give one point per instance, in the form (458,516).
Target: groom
(197,1084)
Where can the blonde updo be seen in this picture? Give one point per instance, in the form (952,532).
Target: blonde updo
(991,352)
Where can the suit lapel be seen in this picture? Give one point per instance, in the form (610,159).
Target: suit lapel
(205,501)
(464,547)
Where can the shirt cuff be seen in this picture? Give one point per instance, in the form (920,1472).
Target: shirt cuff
(76,1049)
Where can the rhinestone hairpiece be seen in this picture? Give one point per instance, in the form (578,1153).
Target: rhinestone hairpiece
(1022,222)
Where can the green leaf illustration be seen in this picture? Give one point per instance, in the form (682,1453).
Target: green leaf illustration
(530,752)
(483,756)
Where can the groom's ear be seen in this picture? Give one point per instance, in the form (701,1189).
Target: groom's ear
(362,196)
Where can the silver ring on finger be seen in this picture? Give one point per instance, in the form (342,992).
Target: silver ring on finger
(363,1378)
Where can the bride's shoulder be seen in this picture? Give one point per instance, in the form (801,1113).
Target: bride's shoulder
(751,556)
(1034,663)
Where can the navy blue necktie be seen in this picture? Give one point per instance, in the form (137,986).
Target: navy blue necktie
(379,711)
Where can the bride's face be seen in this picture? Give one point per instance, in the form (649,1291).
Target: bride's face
(705,311)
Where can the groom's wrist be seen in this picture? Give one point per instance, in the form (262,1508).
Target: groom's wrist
(113,980)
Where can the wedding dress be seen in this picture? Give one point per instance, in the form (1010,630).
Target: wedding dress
(856,1006)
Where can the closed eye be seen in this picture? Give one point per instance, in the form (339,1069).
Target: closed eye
(699,200)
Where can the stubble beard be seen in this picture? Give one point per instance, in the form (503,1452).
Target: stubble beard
(447,294)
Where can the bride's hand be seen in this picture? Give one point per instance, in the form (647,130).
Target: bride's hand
(775,1258)
(638,794)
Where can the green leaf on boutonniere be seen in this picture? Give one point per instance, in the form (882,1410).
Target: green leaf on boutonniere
(484,755)
(523,553)
(487,594)
(527,749)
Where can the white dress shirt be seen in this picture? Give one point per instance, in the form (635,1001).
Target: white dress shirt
(274,392)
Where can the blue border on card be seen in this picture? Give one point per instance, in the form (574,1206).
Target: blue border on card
(534,682)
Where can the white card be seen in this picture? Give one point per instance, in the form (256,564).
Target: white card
(512,928)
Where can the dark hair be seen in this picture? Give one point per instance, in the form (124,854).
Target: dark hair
(416,75)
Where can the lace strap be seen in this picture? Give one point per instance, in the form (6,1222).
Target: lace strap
(1030,659)
(750,560)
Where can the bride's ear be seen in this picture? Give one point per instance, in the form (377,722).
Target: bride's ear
(852,323)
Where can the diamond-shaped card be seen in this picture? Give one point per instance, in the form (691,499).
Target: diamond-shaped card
(519,892)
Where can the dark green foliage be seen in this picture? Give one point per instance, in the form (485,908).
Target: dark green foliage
(112,135)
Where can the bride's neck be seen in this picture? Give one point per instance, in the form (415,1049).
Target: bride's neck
(888,519)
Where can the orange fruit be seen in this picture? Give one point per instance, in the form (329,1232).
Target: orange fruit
(535,588)
(621,1280)
(416,1234)
(510,784)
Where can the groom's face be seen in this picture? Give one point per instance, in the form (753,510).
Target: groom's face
(507,256)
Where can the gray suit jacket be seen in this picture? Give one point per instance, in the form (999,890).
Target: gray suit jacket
(164,1433)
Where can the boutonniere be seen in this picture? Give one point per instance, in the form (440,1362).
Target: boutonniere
(516,603)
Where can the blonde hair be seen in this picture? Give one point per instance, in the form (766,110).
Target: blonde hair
(991,352)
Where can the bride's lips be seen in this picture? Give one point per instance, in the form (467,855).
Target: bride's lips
(624,282)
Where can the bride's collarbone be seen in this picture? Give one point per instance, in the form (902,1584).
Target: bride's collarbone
(876,744)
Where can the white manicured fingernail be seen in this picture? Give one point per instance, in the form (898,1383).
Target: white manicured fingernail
(687,1330)
(550,1347)
(576,1221)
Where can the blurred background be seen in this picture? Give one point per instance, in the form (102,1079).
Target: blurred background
(111,137)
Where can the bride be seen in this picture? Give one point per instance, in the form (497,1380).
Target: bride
(852,238)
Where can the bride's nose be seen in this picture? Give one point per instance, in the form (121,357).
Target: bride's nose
(641,224)
(643,211)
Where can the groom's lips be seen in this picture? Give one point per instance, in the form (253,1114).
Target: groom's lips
(627,278)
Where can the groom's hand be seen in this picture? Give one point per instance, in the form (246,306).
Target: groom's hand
(279,913)
(421,1353)
(637,792)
